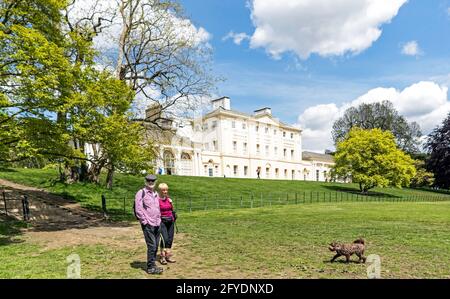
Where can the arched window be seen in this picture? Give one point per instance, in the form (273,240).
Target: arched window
(169,162)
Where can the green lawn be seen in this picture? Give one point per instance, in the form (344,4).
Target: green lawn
(200,193)
(412,239)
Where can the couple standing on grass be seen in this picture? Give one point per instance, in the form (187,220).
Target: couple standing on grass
(155,213)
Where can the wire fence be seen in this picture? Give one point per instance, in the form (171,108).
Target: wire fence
(211,201)
(17,204)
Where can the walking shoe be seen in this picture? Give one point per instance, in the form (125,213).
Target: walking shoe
(154,270)
(169,259)
(163,260)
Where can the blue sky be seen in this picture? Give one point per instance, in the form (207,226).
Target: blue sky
(315,76)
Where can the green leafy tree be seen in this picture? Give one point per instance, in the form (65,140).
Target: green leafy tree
(379,116)
(372,159)
(438,146)
(423,178)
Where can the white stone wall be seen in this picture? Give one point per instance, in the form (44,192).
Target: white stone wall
(224,147)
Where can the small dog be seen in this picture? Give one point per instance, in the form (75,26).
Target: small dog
(357,247)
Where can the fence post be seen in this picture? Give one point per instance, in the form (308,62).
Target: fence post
(261,200)
(124,204)
(25,208)
(296,200)
(190,204)
(104,206)
(241,200)
(251,201)
(287,198)
(4,200)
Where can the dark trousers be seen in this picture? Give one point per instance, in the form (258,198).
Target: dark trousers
(151,235)
(167,231)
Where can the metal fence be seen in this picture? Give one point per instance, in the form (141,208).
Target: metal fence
(197,202)
(15,204)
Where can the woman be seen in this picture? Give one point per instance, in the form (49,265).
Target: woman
(167,224)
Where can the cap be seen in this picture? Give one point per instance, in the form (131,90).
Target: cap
(150,177)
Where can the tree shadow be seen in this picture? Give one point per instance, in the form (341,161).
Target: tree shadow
(357,192)
(7,170)
(50,212)
(139,265)
(9,230)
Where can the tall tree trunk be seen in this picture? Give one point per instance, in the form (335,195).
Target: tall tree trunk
(110,177)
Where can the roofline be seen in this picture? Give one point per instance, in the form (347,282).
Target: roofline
(223,111)
(220,99)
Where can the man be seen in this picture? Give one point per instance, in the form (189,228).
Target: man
(149,215)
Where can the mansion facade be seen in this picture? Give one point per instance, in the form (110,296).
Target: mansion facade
(232,144)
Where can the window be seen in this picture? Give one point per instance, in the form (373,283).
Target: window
(235,146)
(217,170)
(215,145)
(257,128)
(293,174)
(206,146)
(284,152)
(267,172)
(245,147)
(205,126)
(235,170)
(233,124)
(292,135)
(214,124)
(292,154)
(267,150)
(245,170)
(210,172)
(317,175)
(285,173)
(267,130)
(244,126)
(257,149)
(274,132)
(206,169)
(277,173)
(284,134)
(275,150)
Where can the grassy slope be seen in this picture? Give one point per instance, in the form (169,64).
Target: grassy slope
(212,192)
(412,240)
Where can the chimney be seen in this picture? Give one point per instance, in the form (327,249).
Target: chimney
(265,110)
(223,102)
(153,112)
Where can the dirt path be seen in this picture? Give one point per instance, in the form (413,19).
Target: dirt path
(57,223)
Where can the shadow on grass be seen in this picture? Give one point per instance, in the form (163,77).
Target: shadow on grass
(139,265)
(9,230)
(357,192)
(7,170)
(439,191)
(342,261)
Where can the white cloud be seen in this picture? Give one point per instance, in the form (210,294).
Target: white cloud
(425,102)
(412,49)
(324,27)
(236,37)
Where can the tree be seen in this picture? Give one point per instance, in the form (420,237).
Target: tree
(438,146)
(54,99)
(372,159)
(423,178)
(382,116)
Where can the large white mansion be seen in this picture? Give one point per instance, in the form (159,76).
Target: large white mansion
(228,143)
